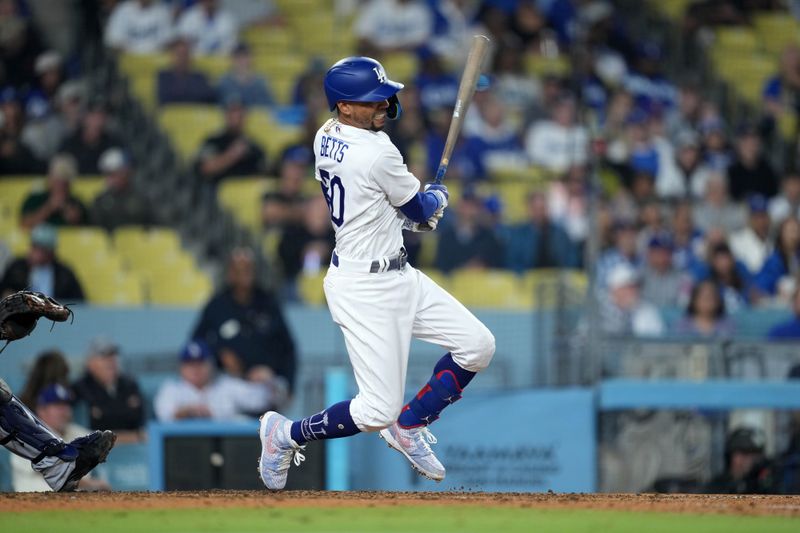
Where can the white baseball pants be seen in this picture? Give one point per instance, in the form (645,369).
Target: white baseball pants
(378,314)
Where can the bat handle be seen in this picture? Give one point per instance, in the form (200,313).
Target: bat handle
(440,173)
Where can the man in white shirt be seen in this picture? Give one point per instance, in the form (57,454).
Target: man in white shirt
(751,245)
(392,25)
(624,312)
(139,27)
(198,394)
(211,30)
(559,143)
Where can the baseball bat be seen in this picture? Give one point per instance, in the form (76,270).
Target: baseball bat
(466,89)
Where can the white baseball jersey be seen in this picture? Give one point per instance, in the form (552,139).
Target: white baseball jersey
(364,181)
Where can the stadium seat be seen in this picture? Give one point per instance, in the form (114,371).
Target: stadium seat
(141,71)
(400,66)
(189,125)
(137,239)
(18,241)
(82,241)
(309,286)
(115,288)
(87,188)
(191,289)
(775,31)
(542,66)
(272,40)
(739,39)
(14,190)
(212,66)
(282,71)
(270,135)
(671,9)
(242,198)
(497,289)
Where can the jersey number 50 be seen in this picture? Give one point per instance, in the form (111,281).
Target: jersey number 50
(333,190)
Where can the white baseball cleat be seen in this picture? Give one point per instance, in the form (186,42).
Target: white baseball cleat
(415,445)
(278,450)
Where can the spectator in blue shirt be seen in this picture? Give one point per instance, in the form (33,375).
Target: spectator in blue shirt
(180,83)
(780,93)
(624,251)
(791,328)
(240,82)
(783,265)
(538,243)
(437,88)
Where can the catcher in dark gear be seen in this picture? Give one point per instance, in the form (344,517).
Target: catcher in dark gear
(61,464)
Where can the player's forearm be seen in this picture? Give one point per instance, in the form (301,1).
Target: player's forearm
(421,206)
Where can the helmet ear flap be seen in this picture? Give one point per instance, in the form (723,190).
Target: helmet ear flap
(394,110)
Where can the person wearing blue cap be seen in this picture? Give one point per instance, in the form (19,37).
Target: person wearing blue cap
(200,394)
(53,408)
(752,244)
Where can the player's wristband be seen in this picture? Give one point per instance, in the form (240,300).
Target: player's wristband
(421,206)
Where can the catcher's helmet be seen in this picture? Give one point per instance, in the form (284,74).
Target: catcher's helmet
(361,79)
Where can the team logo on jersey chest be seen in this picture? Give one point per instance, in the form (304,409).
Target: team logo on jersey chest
(380,73)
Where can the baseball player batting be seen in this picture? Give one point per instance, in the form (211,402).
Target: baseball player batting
(62,464)
(374,295)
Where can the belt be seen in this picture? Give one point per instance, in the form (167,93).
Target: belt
(385,264)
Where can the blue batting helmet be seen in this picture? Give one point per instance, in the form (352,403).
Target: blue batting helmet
(361,79)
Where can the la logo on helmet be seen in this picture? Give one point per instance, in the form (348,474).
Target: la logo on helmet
(380,73)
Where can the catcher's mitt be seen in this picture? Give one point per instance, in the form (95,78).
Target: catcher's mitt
(20,311)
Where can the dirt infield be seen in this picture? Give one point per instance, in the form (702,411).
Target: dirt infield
(695,504)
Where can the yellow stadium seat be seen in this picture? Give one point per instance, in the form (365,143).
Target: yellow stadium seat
(190,290)
(14,191)
(400,66)
(282,71)
(242,197)
(117,289)
(272,39)
(136,239)
(671,9)
(513,196)
(776,30)
(189,125)
(82,240)
(18,241)
(97,267)
(152,266)
(269,245)
(739,39)
(212,66)
(310,288)
(87,188)
(490,289)
(270,135)
(546,286)
(542,66)
(141,71)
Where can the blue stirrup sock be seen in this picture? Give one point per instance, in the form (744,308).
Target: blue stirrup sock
(442,389)
(332,423)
